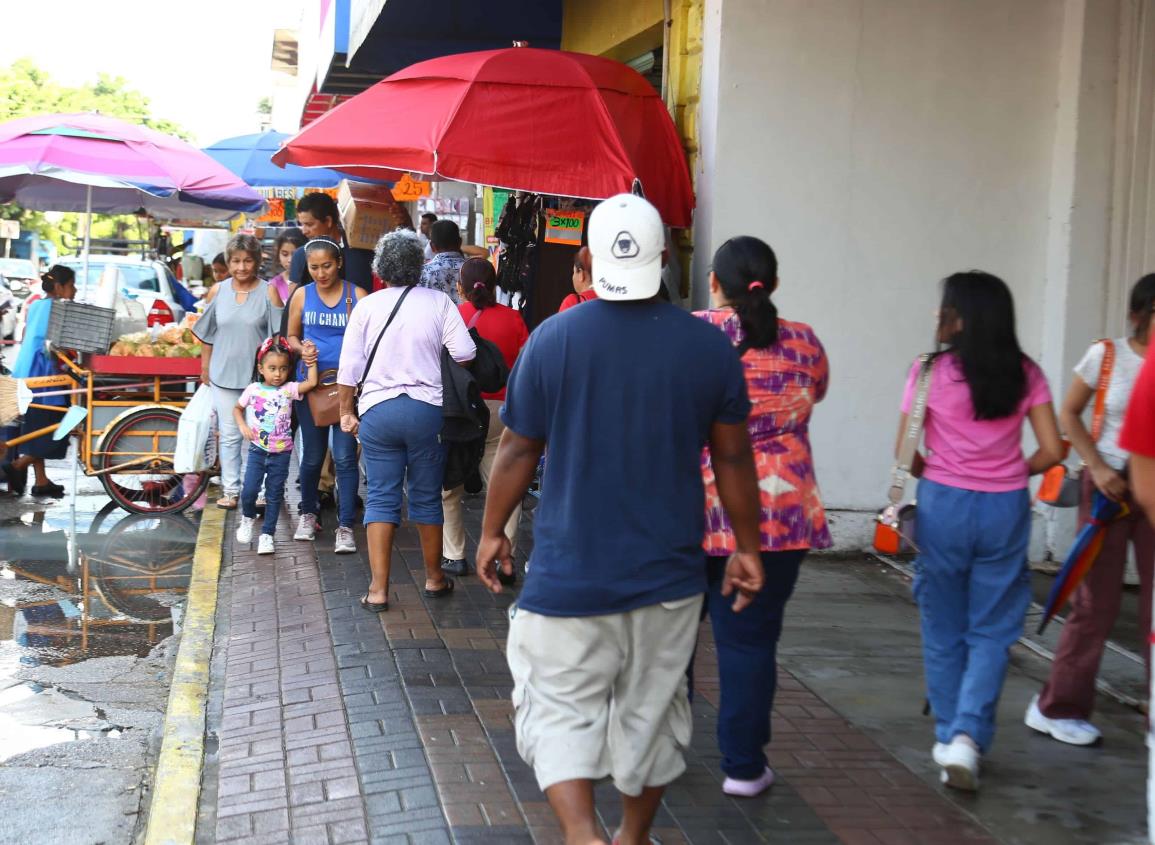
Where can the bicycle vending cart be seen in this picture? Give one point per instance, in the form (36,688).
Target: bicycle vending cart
(128,436)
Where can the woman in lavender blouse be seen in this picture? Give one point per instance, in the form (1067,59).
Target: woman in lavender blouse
(398,414)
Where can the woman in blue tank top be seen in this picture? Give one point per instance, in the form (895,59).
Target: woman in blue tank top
(320,312)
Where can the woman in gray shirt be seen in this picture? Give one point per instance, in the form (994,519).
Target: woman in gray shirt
(242,311)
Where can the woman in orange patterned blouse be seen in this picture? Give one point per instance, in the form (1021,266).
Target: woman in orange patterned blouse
(787,374)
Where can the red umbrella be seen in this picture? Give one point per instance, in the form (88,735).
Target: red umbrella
(544,121)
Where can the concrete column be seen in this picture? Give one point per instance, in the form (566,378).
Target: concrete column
(1082,188)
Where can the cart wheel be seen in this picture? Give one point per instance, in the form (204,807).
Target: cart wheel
(153,488)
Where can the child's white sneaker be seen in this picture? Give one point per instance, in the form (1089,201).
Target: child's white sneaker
(245,530)
(265,545)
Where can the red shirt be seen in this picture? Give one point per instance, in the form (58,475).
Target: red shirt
(502,326)
(577,299)
(1139,428)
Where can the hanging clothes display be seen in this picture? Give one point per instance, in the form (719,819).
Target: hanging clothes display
(518,231)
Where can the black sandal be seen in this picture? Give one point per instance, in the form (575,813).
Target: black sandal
(372,606)
(442,593)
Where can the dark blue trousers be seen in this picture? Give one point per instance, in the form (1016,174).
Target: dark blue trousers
(273,470)
(747,645)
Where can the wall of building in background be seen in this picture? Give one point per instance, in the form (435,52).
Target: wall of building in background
(611,28)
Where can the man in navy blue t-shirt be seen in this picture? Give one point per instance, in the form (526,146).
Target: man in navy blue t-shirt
(625,392)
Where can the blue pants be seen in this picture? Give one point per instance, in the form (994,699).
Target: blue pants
(315,441)
(400,439)
(273,470)
(747,644)
(973,589)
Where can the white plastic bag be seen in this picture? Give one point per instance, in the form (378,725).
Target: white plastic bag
(196,434)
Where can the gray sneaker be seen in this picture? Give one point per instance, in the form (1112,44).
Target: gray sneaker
(345,544)
(306,527)
(455,567)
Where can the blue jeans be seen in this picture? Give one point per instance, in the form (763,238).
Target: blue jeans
(400,439)
(747,645)
(315,441)
(973,589)
(273,470)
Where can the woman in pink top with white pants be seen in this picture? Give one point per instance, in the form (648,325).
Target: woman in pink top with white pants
(974,512)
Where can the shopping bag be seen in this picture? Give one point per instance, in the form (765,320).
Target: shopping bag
(195,433)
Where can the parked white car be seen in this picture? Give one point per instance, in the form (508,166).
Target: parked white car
(145,294)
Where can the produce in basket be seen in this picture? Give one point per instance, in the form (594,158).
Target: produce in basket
(173,343)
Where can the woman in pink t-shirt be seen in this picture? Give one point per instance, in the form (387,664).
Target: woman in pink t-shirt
(974,516)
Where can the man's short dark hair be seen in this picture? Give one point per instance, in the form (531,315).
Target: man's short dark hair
(445,236)
(430,216)
(321,206)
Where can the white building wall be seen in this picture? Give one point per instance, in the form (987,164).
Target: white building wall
(879,145)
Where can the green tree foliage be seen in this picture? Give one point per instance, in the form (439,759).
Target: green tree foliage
(30,91)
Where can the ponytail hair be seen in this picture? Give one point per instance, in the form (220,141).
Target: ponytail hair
(747,271)
(479,280)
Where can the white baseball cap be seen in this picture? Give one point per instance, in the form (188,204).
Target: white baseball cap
(626,240)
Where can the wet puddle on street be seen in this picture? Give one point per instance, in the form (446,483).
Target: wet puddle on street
(118,593)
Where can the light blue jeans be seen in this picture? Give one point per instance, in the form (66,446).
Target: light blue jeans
(401,446)
(973,589)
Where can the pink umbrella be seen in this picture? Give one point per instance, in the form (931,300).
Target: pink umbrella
(89,162)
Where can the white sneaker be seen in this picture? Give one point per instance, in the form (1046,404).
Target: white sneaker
(1070,731)
(245,530)
(939,752)
(265,545)
(960,763)
(345,544)
(749,788)
(306,527)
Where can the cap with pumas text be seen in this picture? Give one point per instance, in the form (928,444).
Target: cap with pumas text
(626,240)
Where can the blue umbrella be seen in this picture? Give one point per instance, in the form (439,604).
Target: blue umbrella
(1083,553)
(249,156)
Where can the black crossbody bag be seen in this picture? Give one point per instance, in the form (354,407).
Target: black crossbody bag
(373,354)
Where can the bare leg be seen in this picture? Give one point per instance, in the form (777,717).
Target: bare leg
(431,543)
(42,478)
(380,536)
(24,461)
(573,804)
(638,814)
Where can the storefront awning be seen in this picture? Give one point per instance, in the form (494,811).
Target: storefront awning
(388,35)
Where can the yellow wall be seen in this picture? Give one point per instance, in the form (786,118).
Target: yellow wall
(625,29)
(617,29)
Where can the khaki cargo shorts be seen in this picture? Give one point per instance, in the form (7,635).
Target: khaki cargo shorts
(604,696)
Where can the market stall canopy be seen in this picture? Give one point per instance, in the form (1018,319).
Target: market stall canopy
(249,157)
(545,121)
(89,162)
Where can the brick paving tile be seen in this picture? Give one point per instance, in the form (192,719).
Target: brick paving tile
(332,725)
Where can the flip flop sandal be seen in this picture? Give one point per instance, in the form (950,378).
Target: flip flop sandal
(372,606)
(443,592)
(227,503)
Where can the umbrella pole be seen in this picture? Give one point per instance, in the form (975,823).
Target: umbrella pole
(73,549)
(87,237)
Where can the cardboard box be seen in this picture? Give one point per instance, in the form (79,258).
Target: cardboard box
(368,212)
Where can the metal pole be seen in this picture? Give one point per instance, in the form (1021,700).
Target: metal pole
(73,546)
(87,238)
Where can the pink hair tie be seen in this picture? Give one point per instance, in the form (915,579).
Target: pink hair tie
(754,285)
(478,285)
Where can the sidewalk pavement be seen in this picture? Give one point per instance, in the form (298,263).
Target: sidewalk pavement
(334,725)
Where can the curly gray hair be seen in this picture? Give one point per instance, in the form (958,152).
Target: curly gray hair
(399,258)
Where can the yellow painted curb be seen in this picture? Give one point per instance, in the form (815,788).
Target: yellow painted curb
(172,815)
